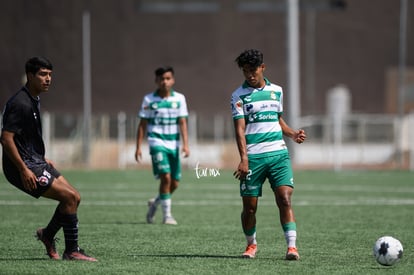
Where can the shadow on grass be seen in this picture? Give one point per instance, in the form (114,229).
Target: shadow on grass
(4,259)
(115,223)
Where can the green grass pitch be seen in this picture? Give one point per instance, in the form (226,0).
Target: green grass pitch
(339,217)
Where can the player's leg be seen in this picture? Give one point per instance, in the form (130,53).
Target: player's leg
(13,176)
(154,202)
(157,159)
(166,167)
(174,180)
(64,211)
(287,219)
(66,215)
(165,198)
(174,185)
(251,190)
(248,220)
(281,179)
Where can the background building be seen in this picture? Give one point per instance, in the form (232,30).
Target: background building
(356,46)
(352,43)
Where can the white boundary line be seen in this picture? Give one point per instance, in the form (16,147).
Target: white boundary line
(358,202)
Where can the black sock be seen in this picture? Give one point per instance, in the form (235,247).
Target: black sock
(70,230)
(54,225)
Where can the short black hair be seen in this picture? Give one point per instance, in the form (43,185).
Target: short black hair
(34,64)
(162,70)
(251,57)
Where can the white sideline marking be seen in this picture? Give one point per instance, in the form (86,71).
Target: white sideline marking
(359,202)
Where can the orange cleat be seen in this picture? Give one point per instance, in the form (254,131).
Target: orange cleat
(292,254)
(250,252)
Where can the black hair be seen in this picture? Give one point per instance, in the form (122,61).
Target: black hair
(252,58)
(162,70)
(34,64)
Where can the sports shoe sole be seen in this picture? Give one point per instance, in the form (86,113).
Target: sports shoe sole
(78,256)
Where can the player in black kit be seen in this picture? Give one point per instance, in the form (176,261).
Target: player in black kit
(25,166)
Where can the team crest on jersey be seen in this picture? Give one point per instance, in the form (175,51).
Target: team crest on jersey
(43,181)
(174,105)
(273,95)
(239,104)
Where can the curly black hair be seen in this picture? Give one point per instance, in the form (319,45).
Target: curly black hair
(252,57)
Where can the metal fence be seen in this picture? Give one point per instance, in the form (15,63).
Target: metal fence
(358,140)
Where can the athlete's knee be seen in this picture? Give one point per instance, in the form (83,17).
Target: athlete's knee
(284,201)
(249,210)
(283,196)
(165,179)
(78,198)
(72,198)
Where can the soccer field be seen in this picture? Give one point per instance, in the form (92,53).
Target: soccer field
(339,216)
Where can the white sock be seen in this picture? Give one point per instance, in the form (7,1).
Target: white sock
(166,207)
(251,239)
(290,237)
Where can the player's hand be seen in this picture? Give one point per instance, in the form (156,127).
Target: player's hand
(185,151)
(29,179)
(242,170)
(299,136)
(138,155)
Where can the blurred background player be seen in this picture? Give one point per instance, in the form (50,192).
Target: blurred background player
(25,166)
(257,107)
(163,117)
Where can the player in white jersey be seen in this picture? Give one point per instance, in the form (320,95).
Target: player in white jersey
(163,117)
(257,108)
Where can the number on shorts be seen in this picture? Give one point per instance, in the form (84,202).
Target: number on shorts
(249,173)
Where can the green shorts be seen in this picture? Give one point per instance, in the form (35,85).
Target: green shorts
(166,162)
(277,169)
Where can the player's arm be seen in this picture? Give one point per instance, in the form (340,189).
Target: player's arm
(243,168)
(141,130)
(9,147)
(298,136)
(184,135)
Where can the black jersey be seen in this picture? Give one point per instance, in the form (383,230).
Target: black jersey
(22,117)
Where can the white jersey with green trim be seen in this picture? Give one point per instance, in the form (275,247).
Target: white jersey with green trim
(162,114)
(260,108)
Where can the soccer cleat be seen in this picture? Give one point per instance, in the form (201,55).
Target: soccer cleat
(152,208)
(250,252)
(78,255)
(49,244)
(292,254)
(169,220)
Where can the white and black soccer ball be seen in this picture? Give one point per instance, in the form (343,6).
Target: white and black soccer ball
(388,250)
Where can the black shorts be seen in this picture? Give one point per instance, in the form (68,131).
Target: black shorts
(45,174)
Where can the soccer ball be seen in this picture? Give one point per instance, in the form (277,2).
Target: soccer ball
(388,250)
